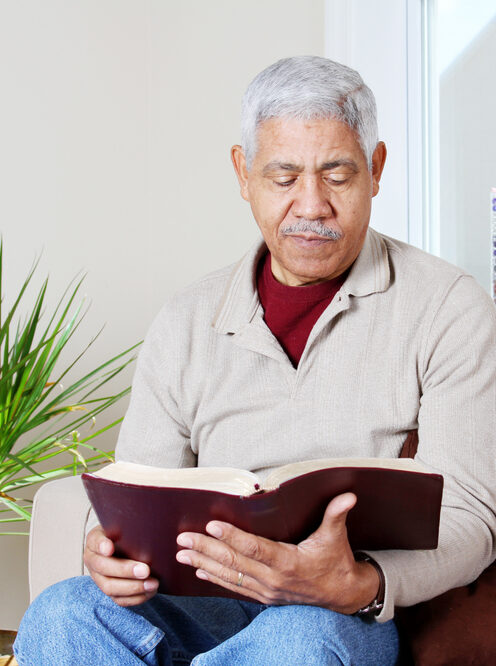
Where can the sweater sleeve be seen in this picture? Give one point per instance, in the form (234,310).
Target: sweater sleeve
(153,431)
(457,436)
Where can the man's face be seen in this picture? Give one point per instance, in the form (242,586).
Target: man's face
(310,191)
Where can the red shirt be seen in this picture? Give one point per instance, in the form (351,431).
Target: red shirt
(291,312)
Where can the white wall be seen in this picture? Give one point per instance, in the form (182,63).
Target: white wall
(116,121)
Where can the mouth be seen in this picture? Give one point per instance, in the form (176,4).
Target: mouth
(309,240)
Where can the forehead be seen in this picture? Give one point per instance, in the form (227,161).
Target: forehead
(298,141)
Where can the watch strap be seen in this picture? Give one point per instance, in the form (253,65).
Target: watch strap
(374,607)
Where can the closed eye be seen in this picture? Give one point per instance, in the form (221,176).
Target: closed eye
(337,179)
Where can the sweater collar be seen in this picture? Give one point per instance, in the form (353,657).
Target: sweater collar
(369,274)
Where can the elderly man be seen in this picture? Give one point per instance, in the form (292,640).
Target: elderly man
(326,340)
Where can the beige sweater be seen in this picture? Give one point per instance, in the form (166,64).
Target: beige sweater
(409,341)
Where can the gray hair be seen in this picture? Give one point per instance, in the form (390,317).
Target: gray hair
(305,88)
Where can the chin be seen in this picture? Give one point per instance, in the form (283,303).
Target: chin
(317,271)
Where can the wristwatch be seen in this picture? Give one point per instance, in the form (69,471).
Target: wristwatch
(375,606)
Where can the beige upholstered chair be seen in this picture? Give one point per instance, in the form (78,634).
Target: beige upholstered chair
(58,526)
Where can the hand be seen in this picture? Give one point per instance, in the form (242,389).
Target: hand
(127,582)
(319,571)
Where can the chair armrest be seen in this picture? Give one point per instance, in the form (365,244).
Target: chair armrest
(57,535)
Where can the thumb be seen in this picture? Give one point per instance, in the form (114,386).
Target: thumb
(333,525)
(334,521)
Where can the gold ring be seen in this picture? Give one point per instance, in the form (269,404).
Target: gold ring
(240,579)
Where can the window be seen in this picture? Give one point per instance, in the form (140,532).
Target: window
(460,131)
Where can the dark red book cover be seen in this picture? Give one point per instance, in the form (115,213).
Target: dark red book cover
(395,509)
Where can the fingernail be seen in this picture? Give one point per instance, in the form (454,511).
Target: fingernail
(141,571)
(201,574)
(214,529)
(185,541)
(150,585)
(104,548)
(183,558)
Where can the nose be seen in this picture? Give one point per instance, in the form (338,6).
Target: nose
(311,199)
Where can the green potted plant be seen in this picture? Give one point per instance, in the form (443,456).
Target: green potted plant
(47,428)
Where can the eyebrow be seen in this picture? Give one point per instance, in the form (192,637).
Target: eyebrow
(325,166)
(328,166)
(281,166)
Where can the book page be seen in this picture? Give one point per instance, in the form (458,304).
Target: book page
(223,479)
(281,474)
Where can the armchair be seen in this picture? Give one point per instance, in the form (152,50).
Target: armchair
(56,543)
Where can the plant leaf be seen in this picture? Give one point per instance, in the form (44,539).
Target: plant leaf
(38,421)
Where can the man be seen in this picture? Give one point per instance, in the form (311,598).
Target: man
(326,340)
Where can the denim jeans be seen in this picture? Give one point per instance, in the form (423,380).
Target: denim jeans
(74,623)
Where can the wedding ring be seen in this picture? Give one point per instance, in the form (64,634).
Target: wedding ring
(240,579)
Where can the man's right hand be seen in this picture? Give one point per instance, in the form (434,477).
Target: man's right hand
(127,582)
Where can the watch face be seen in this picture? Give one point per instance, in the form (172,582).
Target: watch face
(371,610)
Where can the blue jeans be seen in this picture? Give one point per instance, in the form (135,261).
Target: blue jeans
(74,623)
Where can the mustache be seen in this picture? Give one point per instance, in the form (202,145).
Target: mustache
(314,227)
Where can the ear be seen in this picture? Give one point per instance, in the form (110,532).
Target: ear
(239,163)
(378,161)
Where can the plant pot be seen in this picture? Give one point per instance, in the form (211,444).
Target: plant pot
(7,639)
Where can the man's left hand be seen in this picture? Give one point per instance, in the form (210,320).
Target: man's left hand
(319,571)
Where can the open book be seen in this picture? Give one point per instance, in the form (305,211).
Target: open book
(143,509)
